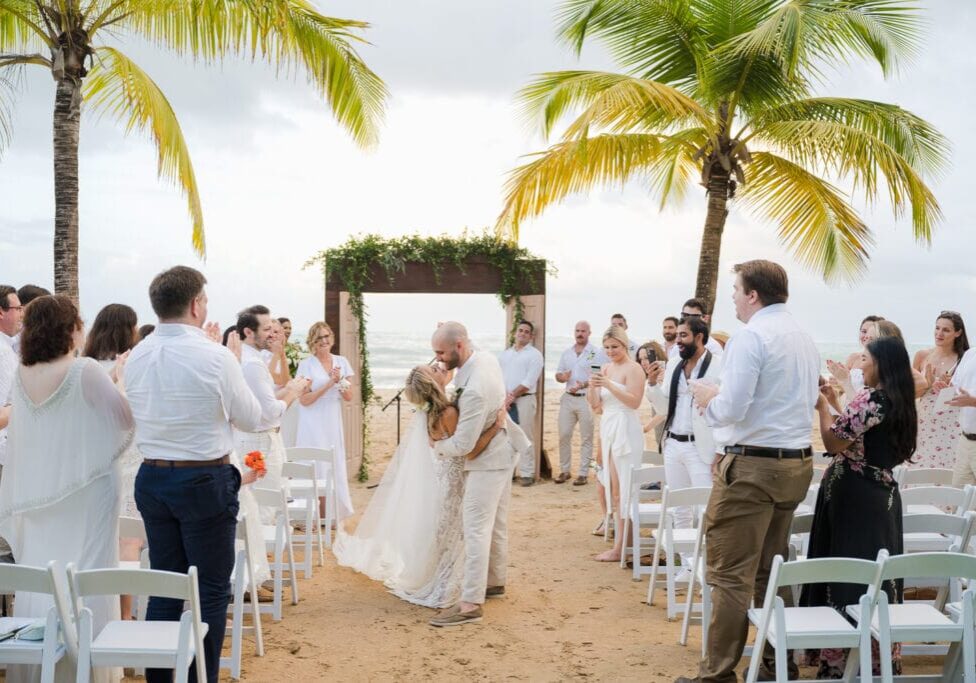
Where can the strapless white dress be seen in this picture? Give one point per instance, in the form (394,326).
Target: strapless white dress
(621,442)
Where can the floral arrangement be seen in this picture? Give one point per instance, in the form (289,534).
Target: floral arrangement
(295,352)
(255,461)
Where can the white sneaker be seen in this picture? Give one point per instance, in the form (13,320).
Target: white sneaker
(683,576)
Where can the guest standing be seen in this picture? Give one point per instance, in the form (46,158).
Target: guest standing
(320,410)
(11,314)
(867,332)
(695,308)
(59,498)
(616,392)
(964,380)
(938,423)
(858,509)
(26,294)
(669,331)
(769,387)
(522,366)
(618,320)
(186,390)
(574,371)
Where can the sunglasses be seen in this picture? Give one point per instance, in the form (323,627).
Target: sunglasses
(690,315)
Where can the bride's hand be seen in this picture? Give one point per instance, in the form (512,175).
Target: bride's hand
(501,419)
(598,380)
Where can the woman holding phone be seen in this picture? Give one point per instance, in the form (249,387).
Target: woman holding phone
(616,391)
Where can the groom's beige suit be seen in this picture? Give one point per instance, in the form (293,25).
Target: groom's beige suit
(487,478)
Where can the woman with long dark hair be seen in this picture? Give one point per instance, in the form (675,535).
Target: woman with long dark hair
(115,331)
(938,424)
(858,508)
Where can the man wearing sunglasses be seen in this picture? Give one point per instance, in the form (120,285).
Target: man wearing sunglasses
(694,308)
(11,314)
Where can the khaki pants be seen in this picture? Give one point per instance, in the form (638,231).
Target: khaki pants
(484,511)
(964,471)
(747,523)
(575,410)
(525,405)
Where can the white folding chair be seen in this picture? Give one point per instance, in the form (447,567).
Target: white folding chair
(786,628)
(60,637)
(305,507)
(922,476)
(302,489)
(277,540)
(936,500)
(934,532)
(652,458)
(919,622)
(133,527)
(810,501)
(643,511)
(143,644)
(243,579)
(818,475)
(675,541)
(704,608)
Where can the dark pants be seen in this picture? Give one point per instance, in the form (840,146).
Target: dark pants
(513,412)
(191,520)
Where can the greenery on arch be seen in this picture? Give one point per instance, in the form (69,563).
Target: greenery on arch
(351,263)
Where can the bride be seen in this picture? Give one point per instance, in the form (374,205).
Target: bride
(410,535)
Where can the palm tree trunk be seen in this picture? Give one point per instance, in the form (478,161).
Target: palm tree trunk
(67,128)
(711,243)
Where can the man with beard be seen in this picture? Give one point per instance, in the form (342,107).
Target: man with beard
(689,445)
(670,333)
(574,372)
(695,308)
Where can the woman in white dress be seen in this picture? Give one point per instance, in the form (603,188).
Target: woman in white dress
(615,393)
(59,495)
(410,535)
(320,410)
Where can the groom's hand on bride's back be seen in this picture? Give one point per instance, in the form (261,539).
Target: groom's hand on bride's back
(502,418)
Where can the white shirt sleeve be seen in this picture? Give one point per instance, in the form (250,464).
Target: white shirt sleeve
(742,363)
(532,372)
(242,408)
(261,384)
(565,365)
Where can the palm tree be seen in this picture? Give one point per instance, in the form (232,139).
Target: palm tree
(722,92)
(60,36)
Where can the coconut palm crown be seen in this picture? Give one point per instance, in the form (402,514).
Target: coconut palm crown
(722,93)
(77,42)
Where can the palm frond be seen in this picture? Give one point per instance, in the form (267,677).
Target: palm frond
(814,219)
(21,27)
(614,102)
(120,89)
(571,167)
(289,34)
(678,167)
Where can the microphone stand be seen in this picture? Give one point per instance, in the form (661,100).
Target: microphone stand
(397,400)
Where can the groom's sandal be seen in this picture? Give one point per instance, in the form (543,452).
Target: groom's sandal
(455,618)
(494,592)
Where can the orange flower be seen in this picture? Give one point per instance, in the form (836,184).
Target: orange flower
(255,460)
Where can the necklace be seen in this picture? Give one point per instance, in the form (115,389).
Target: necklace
(943,365)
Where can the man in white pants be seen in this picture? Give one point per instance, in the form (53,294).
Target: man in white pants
(689,445)
(574,372)
(964,379)
(487,478)
(522,366)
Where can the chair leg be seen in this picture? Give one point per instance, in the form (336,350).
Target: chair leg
(292,573)
(654,555)
(279,563)
(706,616)
(83,674)
(636,545)
(623,546)
(969,639)
(689,604)
(255,611)
(237,617)
(307,539)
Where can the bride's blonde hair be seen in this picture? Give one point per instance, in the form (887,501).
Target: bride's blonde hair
(423,390)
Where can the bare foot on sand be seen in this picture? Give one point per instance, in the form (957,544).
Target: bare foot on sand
(607,556)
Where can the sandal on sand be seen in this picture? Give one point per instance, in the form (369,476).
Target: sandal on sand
(598,529)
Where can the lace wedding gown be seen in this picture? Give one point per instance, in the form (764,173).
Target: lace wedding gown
(410,535)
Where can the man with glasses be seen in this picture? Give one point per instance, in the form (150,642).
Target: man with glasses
(694,308)
(11,314)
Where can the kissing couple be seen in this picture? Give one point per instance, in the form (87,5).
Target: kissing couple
(436,530)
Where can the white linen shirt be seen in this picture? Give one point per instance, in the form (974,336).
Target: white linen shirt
(578,365)
(185,391)
(261,384)
(521,368)
(712,345)
(965,378)
(8,370)
(769,383)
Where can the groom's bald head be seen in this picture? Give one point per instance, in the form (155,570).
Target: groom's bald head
(451,344)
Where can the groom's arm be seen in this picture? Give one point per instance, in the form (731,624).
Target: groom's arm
(471,422)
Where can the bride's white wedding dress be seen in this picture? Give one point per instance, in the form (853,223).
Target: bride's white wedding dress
(410,535)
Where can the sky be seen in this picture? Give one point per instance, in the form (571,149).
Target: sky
(281,181)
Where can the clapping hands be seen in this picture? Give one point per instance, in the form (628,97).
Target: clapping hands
(839,371)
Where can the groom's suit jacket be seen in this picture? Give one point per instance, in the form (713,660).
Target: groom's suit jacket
(482,394)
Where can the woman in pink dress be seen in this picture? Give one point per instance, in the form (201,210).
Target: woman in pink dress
(938,424)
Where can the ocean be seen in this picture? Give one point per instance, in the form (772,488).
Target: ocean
(392,354)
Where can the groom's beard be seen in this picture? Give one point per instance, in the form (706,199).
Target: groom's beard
(453,361)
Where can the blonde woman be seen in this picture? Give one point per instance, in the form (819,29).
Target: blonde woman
(410,534)
(616,392)
(320,410)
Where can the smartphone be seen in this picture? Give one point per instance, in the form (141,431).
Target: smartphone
(595,368)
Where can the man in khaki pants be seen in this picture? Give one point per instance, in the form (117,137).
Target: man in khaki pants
(769,387)
(964,379)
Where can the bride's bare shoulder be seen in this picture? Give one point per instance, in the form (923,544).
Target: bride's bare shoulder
(449,419)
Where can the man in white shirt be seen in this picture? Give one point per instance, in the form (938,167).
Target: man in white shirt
(694,308)
(26,294)
(185,391)
(964,379)
(618,320)
(11,315)
(769,387)
(574,371)
(255,328)
(522,366)
(669,330)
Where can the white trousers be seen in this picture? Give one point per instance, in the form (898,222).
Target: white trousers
(525,405)
(575,410)
(964,471)
(485,517)
(683,468)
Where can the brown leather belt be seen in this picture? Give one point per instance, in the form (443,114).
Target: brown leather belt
(186,463)
(971,437)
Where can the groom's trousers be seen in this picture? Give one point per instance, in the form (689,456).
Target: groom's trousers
(485,516)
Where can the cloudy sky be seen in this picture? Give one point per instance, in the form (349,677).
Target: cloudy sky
(280,181)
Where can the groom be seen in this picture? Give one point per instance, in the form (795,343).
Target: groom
(487,478)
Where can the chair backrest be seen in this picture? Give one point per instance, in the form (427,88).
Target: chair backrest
(151,582)
(298,470)
(925,476)
(822,570)
(270,498)
(818,475)
(652,458)
(47,581)
(802,524)
(942,565)
(691,496)
(811,498)
(939,496)
(304,453)
(132,527)
(960,526)
(645,475)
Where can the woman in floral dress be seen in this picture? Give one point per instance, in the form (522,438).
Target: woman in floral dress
(938,424)
(858,508)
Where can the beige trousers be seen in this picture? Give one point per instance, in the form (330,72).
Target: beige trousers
(575,410)
(485,517)
(526,412)
(964,471)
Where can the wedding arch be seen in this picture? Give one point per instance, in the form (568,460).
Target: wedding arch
(469,264)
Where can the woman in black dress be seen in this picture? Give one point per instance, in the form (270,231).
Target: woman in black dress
(858,508)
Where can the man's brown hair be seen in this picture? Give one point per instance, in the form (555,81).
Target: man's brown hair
(172,291)
(767,279)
